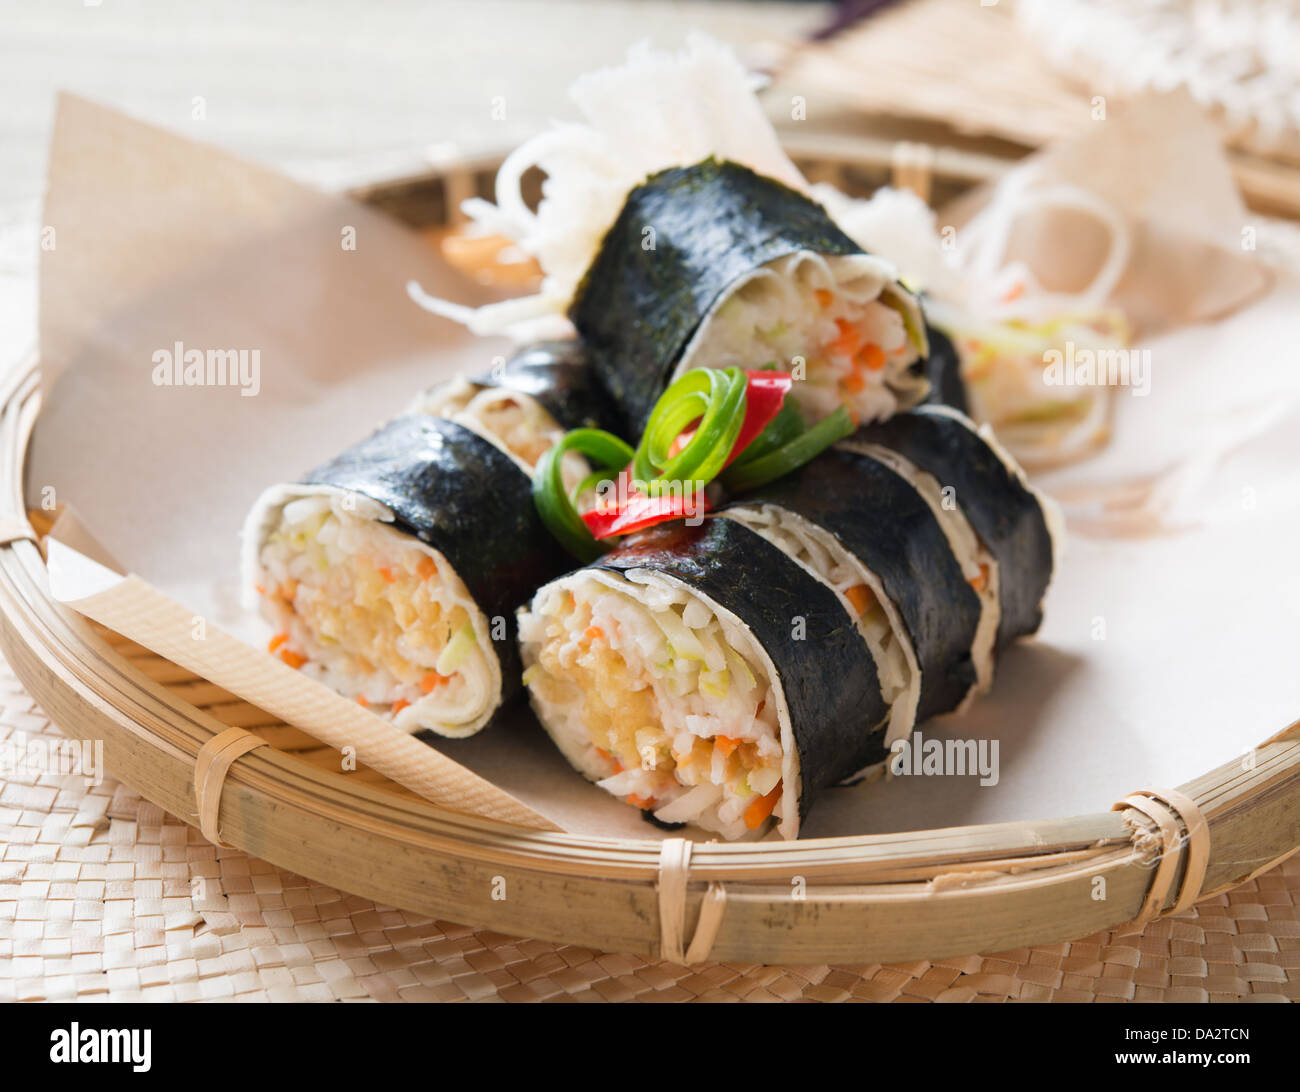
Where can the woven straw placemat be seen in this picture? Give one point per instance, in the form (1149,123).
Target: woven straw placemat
(103,896)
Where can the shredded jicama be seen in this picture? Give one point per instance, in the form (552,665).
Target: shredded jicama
(655,111)
(1004,324)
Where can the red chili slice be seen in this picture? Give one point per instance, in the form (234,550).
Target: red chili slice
(764,396)
(640,512)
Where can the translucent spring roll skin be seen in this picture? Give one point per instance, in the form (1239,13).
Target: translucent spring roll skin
(713,223)
(452,489)
(878,517)
(1005,514)
(829,679)
(558,375)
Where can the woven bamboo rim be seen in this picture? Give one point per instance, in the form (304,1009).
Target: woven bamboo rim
(872,898)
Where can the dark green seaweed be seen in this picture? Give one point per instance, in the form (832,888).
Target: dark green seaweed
(826,670)
(1007,517)
(943,370)
(879,518)
(559,376)
(463,496)
(683,237)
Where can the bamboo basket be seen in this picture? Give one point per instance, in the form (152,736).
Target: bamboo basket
(873,898)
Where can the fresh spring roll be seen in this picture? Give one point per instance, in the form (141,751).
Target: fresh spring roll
(705,676)
(1015,523)
(526,403)
(863,595)
(977,562)
(713,265)
(392,573)
(880,518)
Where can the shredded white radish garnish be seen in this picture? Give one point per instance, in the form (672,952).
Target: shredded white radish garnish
(657,110)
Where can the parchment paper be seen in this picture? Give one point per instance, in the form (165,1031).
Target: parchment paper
(1161,656)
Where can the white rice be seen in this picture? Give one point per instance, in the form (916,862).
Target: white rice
(795,312)
(371,612)
(637,678)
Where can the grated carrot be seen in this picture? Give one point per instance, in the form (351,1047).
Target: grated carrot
(431,681)
(399,705)
(861,597)
(979,583)
(760,809)
(853,382)
(361,701)
(725,744)
(593,633)
(642,802)
(427,569)
(292,658)
(871,356)
(848,341)
(289,589)
(824,296)
(259,589)
(387,574)
(276,641)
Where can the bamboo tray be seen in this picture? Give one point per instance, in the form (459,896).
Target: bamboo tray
(871,898)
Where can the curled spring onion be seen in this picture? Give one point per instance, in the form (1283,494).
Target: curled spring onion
(694,434)
(784,427)
(791,455)
(716,399)
(558,507)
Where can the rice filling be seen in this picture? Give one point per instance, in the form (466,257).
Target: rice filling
(658,698)
(513,421)
(841,316)
(373,613)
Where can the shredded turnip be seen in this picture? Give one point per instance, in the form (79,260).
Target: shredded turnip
(657,110)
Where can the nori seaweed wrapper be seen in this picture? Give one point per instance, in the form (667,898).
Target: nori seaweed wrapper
(943,370)
(829,678)
(452,489)
(637,308)
(1005,514)
(884,522)
(558,374)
